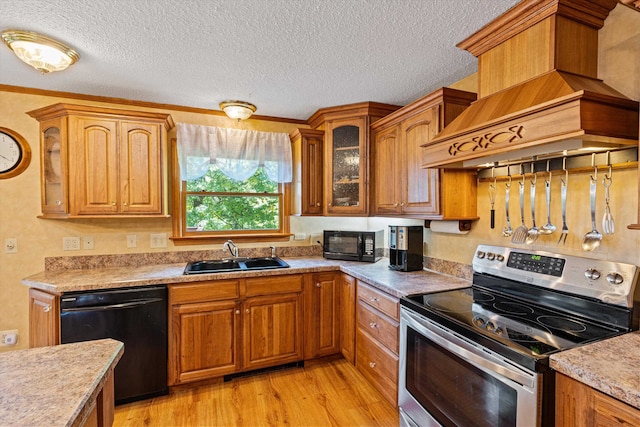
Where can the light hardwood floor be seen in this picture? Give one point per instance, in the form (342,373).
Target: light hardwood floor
(328,392)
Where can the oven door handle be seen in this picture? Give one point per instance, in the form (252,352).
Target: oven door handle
(481,357)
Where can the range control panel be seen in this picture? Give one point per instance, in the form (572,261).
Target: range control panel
(610,282)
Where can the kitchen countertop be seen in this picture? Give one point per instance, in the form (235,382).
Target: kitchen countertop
(609,366)
(377,274)
(54,386)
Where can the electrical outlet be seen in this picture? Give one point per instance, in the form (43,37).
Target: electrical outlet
(158,240)
(300,236)
(132,241)
(9,337)
(10,246)
(71,243)
(87,242)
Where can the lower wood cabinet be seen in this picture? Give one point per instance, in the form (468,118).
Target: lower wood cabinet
(577,404)
(222,327)
(322,314)
(348,321)
(44,319)
(377,320)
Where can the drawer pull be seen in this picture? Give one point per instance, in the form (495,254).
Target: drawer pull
(247,311)
(373,325)
(374,299)
(46,308)
(372,364)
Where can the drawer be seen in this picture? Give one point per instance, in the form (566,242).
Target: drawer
(380,327)
(380,300)
(211,290)
(270,285)
(378,365)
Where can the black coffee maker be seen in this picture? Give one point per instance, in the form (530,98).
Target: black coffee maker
(405,247)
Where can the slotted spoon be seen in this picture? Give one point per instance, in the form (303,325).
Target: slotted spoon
(520,234)
(532,233)
(592,239)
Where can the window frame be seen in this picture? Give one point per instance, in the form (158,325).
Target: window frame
(183,237)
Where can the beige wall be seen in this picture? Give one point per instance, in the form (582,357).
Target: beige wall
(39,238)
(619,67)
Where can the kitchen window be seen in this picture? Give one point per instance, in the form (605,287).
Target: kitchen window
(230,183)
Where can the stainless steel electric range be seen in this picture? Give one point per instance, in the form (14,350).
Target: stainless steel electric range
(479,356)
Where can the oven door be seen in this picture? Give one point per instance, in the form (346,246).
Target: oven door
(446,379)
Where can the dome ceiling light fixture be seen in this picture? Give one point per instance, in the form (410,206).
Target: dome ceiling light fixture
(41,52)
(239,110)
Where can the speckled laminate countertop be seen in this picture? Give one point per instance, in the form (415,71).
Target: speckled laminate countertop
(611,366)
(377,274)
(54,386)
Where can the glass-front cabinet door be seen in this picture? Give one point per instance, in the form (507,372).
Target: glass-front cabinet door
(347,170)
(54,176)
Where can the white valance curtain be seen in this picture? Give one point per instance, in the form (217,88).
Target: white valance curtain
(237,153)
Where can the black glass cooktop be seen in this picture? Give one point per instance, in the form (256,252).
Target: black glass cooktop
(501,322)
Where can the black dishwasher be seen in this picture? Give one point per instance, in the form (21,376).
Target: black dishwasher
(135,316)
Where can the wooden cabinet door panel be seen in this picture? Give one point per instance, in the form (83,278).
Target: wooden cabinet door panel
(322,315)
(272,330)
(93,166)
(44,319)
(312,179)
(387,170)
(204,341)
(348,321)
(420,187)
(140,160)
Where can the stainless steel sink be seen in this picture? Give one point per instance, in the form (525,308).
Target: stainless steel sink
(234,264)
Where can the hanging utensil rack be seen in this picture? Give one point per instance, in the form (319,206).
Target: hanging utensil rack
(619,158)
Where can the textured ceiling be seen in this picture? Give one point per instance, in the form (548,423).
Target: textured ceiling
(288,57)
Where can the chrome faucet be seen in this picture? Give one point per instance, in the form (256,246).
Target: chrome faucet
(273,251)
(233,249)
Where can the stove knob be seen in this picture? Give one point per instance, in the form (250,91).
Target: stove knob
(490,326)
(499,330)
(615,278)
(500,257)
(491,256)
(480,254)
(478,321)
(592,274)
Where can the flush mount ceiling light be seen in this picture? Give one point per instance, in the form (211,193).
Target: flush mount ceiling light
(239,110)
(41,52)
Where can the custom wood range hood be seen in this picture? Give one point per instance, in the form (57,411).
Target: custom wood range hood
(538,91)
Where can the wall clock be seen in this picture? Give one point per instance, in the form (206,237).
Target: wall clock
(15,153)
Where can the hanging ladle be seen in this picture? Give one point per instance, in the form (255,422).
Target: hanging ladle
(592,239)
(548,228)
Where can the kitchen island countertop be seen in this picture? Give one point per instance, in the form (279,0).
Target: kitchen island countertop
(377,274)
(609,366)
(55,386)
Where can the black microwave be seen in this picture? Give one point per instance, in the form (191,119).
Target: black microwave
(366,246)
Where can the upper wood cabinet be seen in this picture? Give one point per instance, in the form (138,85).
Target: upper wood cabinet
(400,185)
(346,155)
(102,162)
(307,186)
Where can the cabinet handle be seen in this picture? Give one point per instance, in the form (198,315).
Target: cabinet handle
(318,285)
(395,205)
(59,202)
(372,364)
(373,325)
(247,311)
(124,203)
(374,299)
(237,311)
(113,203)
(402,204)
(318,204)
(46,308)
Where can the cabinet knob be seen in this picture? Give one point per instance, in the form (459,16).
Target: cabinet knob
(59,202)
(373,325)
(318,204)
(46,308)
(318,285)
(395,205)
(247,311)
(372,364)
(237,311)
(124,203)
(374,299)
(113,203)
(402,204)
